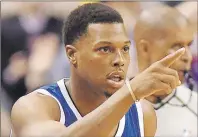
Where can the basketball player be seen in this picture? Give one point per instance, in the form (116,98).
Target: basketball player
(95,101)
(159,32)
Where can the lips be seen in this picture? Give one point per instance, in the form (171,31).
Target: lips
(182,74)
(116,79)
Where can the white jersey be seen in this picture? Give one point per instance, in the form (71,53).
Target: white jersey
(175,121)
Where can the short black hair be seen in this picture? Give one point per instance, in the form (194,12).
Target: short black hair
(78,20)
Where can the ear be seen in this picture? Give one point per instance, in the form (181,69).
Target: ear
(143,48)
(71,54)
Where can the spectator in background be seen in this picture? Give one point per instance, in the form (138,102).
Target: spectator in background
(6,104)
(173,3)
(23,37)
(194,66)
(5,123)
(189,9)
(157,35)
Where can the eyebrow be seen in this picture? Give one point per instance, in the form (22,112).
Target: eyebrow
(181,43)
(107,42)
(190,43)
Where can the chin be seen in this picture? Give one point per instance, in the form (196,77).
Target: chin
(107,94)
(110,91)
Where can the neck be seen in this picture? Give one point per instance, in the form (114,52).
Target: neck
(86,97)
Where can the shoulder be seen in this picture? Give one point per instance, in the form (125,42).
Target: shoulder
(36,101)
(34,107)
(149,117)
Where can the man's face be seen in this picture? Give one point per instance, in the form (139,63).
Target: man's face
(174,40)
(103,56)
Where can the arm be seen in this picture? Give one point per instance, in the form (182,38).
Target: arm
(46,125)
(150,119)
(44,52)
(37,121)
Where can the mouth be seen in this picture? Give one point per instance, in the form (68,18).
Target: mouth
(116,79)
(182,74)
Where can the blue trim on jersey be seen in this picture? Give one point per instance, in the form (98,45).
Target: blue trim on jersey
(132,128)
(55,91)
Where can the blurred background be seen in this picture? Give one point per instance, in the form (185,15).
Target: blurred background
(32,53)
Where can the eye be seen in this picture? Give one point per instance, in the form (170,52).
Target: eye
(126,49)
(105,49)
(190,43)
(177,46)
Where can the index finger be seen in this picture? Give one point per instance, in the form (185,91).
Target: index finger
(171,58)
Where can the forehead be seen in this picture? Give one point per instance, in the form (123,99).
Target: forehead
(176,35)
(185,34)
(107,31)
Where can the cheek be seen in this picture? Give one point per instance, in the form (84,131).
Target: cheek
(157,55)
(160,49)
(94,65)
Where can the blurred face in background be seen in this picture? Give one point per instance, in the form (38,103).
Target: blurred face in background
(195,58)
(159,32)
(167,41)
(103,56)
(173,39)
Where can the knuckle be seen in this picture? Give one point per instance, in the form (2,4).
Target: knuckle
(168,89)
(153,75)
(156,67)
(159,64)
(173,79)
(175,73)
(152,68)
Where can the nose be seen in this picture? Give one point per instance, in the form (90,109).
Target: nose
(187,56)
(118,60)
